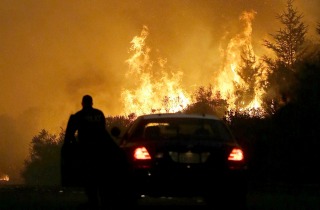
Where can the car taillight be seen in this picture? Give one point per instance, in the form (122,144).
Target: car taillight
(141,153)
(236,155)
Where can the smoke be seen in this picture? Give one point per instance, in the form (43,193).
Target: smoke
(54,52)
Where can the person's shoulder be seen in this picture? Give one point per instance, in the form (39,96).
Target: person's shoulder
(72,116)
(98,111)
(77,113)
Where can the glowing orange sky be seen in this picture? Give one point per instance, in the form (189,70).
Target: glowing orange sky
(53,52)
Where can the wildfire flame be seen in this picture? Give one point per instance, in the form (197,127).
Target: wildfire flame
(229,78)
(155,88)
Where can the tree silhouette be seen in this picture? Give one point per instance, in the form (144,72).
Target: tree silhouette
(288,48)
(207,102)
(43,165)
(288,41)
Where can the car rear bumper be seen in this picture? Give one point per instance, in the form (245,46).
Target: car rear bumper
(187,183)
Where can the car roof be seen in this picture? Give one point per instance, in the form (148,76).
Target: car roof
(178,115)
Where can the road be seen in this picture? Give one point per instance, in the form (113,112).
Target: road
(266,197)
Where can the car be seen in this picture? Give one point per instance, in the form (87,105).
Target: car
(185,155)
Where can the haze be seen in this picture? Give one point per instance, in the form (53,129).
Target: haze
(54,52)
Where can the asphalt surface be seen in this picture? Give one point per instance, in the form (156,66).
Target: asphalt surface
(33,198)
(260,197)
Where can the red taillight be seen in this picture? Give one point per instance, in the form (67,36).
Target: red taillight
(236,155)
(141,153)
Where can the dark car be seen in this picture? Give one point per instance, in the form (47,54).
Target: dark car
(186,155)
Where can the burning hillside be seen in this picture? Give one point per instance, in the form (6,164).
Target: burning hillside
(157,88)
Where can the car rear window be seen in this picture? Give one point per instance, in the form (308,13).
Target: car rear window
(172,128)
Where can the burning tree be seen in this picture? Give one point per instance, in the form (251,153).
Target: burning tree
(251,71)
(243,75)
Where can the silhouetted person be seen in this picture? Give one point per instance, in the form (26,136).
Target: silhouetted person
(97,158)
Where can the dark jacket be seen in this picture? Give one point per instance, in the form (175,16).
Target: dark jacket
(89,154)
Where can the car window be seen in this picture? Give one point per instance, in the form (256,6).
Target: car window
(172,128)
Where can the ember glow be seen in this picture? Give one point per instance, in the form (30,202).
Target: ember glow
(4,178)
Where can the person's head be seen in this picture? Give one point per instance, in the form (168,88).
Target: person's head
(87,101)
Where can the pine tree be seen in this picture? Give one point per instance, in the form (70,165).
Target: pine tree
(289,40)
(288,46)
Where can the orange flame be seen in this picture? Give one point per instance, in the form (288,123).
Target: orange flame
(229,78)
(153,90)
